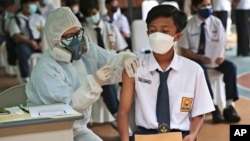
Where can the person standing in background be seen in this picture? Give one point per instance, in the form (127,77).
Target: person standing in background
(115,16)
(242,15)
(44,7)
(221,9)
(74,6)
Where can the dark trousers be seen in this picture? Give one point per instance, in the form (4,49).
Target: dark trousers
(2,39)
(144,131)
(222,15)
(229,71)
(23,52)
(109,96)
(243,31)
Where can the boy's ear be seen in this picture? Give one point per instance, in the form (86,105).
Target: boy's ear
(177,36)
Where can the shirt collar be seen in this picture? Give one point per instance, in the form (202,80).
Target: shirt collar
(198,21)
(174,64)
(100,25)
(20,14)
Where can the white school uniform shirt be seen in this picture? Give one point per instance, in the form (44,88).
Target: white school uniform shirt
(222,5)
(243,5)
(45,10)
(215,37)
(120,21)
(112,37)
(188,92)
(36,23)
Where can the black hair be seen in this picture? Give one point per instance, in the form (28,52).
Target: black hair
(179,17)
(6,3)
(108,1)
(87,5)
(26,1)
(71,2)
(195,3)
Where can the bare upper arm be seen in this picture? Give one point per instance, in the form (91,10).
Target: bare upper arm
(127,93)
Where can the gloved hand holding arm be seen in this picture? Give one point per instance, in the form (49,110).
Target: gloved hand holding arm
(90,91)
(128,61)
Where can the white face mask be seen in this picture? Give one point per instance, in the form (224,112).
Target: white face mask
(161,43)
(93,19)
(75,9)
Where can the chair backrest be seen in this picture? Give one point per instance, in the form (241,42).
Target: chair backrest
(13,96)
(139,36)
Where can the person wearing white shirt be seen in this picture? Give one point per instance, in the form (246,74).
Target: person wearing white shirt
(221,9)
(242,15)
(211,55)
(44,7)
(26,30)
(115,16)
(74,6)
(107,36)
(189,98)
(8,13)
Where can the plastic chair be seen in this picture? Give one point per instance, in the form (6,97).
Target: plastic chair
(13,96)
(218,87)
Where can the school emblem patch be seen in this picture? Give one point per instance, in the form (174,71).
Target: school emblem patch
(186,104)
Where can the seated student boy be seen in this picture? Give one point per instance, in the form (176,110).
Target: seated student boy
(178,103)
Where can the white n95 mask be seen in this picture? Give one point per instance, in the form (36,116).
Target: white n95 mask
(161,43)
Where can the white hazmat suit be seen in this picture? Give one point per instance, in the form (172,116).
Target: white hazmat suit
(78,82)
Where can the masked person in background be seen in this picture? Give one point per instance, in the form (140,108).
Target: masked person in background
(72,69)
(204,41)
(44,7)
(26,30)
(115,17)
(74,6)
(158,74)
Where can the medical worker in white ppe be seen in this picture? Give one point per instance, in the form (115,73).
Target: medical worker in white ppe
(72,70)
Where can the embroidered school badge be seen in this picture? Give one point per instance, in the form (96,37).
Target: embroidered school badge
(186,104)
(163,128)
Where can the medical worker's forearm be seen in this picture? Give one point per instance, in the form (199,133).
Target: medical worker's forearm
(86,94)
